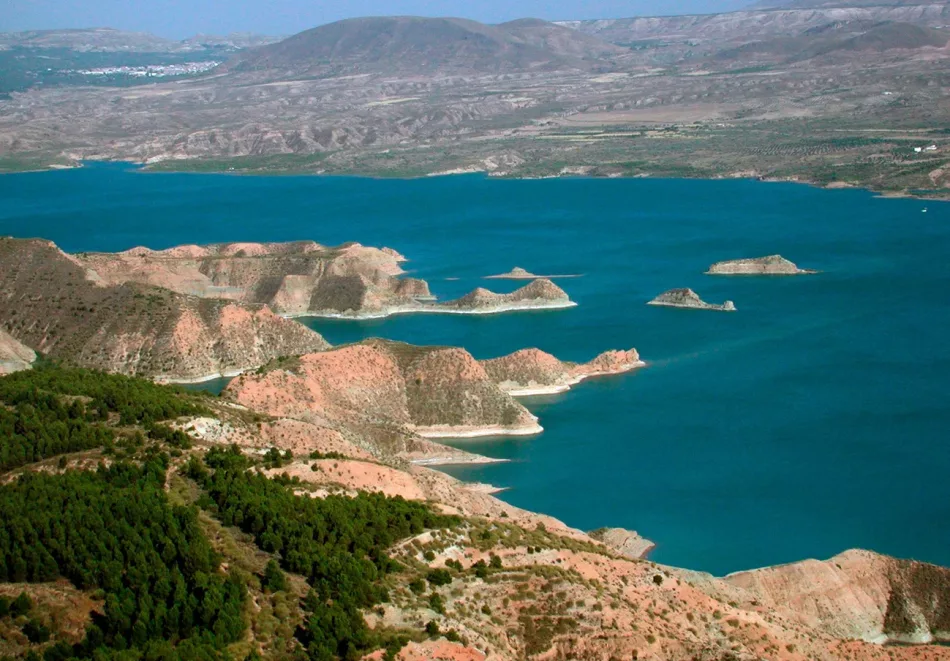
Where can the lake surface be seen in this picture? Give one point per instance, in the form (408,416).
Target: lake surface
(813,420)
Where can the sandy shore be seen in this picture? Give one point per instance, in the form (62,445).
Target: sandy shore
(434,309)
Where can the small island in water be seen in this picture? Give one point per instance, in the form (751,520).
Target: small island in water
(687,298)
(518,273)
(771,265)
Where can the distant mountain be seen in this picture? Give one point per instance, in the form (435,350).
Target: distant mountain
(109,40)
(821,4)
(89,40)
(427,45)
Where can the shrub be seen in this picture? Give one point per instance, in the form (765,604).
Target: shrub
(439,577)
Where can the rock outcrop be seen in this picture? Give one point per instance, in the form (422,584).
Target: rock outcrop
(534,372)
(625,542)
(431,392)
(771,265)
(855,595)
(59,305)
(14,356)
(687,298)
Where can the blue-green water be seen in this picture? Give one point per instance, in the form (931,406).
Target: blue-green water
(813,420)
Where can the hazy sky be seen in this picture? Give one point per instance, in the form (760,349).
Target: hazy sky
(182,18)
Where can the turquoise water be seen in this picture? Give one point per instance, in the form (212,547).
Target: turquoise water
(813,420)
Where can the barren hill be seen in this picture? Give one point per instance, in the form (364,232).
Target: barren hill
(425,45)
(56,304)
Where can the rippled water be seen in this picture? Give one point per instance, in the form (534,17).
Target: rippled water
(814,419)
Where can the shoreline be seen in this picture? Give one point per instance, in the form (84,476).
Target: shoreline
(144,168)
(531,276)
(561,388)
(708,306)
(392,312)
(459,460)
(446,431)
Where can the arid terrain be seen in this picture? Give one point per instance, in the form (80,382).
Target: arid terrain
(835,95)
(300,514)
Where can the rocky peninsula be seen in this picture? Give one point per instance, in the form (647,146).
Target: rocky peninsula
(428,392)
(534,372)
(687,298)
(771,265)
(626,542)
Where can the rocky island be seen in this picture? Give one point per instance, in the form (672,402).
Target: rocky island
(687,298)
(771,265)
(538,295)
(518,273)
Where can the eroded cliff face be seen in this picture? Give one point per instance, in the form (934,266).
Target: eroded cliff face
(14,356)
(59,305)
